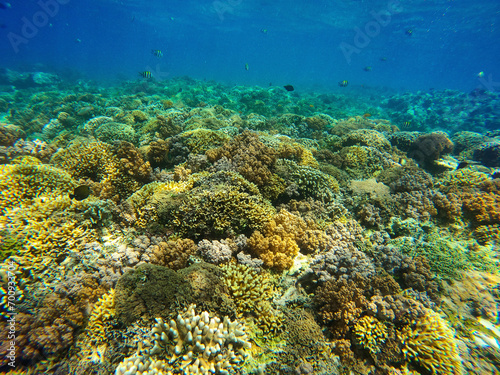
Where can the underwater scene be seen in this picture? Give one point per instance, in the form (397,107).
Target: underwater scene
(249,187)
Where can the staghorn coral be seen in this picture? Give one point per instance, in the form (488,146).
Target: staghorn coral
(173,254)
(430,342)
(191,344)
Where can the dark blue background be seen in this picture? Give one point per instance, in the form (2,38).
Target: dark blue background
(451,42)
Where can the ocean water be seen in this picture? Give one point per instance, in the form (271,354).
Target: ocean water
(308,44)
(238,187)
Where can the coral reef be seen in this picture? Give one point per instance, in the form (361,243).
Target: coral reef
(342,231)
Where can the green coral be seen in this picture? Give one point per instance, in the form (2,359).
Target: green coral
(200,140)
(311,182)
(9,245)
(370,333)
(252,292)
(218,212)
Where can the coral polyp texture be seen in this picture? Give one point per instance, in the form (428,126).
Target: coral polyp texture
(321,233)
(431,343)
(190,344)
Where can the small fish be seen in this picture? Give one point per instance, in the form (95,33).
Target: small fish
(406,124)
(80,193)
(78,40)
(263,31)
(133,19)
(409,32)
(383,59)
(311,105)
(157,52)
(343,83)
(5,6)
(289,87)
(146,74)
(247,67)
(480,74)
(367,68)
(366,115)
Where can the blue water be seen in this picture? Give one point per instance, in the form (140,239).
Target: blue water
(282,41)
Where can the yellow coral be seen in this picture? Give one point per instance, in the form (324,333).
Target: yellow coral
(431,343)
(28,179)
(101,319)
(370,333)
(251,292)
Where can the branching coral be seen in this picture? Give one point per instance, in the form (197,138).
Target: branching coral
(484,207)
(276,245)
(370,333)
(429,147)
(28,178)
(342,302)
(252,291)
(430,342)
(173,254)
(191,344)
(252,159)
(310,182)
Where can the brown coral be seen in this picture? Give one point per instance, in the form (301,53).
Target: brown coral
(252,159)
(484,207)
(341,303)
(173,254)
(429,147)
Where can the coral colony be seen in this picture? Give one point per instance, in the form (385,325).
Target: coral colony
(184,227)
